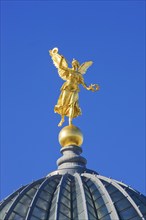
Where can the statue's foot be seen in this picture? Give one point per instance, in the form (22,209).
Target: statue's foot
(61,122)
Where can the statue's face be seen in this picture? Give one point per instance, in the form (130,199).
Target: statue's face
(74,65)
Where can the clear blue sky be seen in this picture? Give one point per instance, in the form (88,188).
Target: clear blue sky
(111,34)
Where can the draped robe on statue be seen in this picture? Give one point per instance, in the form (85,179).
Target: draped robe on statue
(68,100)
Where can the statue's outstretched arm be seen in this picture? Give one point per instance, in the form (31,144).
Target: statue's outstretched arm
(85,86)
(58,60)
(61,64)
(92,87)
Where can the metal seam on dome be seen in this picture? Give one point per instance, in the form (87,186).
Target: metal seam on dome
(128,187)
(78,179)
(114,214)
(32,204)
(71,196)
(47,217)
(11,197)
(95,210)
(6,217)
(125,194)
(59,196)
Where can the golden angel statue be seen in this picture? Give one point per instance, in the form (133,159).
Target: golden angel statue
(67,104)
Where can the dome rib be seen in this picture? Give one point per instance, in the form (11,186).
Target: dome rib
(42,203)
(10,198)
(94,213)
(33,202)
(82,199)
(49,207)
(20,195)
(63,178)
(5,204)
(110,206)
(114,183)
(137,197)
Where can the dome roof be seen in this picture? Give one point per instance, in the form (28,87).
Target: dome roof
(74,196)
(73,192)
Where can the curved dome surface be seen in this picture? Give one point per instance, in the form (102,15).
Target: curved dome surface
(74,196)
(74,192)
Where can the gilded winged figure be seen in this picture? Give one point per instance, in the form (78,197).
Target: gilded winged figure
(67,104)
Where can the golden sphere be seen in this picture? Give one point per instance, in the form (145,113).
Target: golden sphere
(70,135)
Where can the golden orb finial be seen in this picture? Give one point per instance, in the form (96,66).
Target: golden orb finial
(70,135)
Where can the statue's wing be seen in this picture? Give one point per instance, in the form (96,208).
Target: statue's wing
(83,67)
(61,64)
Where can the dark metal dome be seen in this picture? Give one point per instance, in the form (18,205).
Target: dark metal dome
(74,193)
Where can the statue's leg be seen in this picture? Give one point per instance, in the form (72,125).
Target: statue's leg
(70,121)
(71,114)
(62,120)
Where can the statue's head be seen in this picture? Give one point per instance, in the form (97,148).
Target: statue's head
(75,64)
